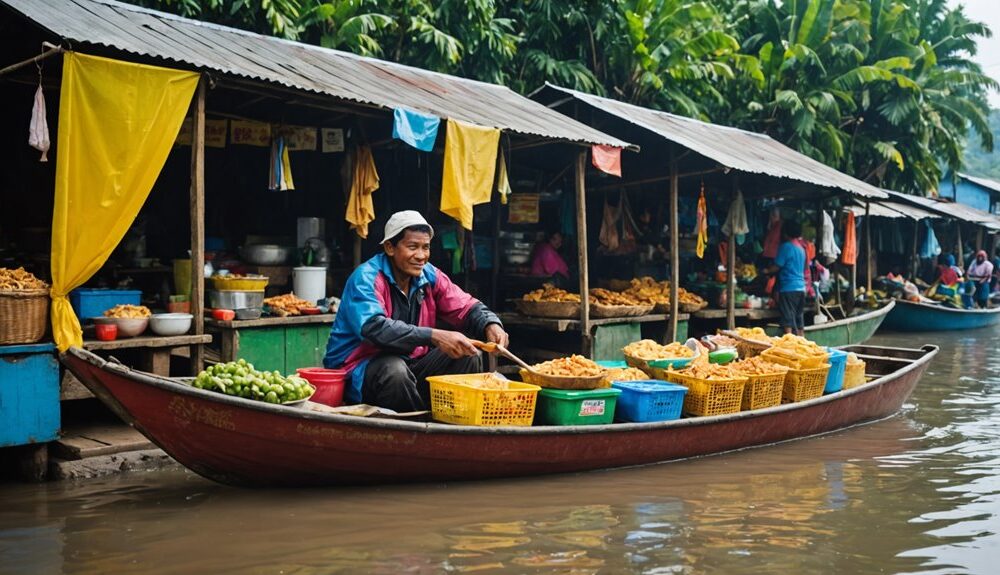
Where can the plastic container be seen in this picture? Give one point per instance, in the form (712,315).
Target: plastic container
(126,326)
(576,407)
(723,355)
(710,396)
(453,401)
(612,364)
(763,391)
(329,384)
(804,384)
(309,283)
(835,378)
(168,324)
(650,400)
(106,331)
(854,375)
(91,302)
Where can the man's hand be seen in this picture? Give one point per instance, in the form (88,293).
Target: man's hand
(496,334)
(454,344)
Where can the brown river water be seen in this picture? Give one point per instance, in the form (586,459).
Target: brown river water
(916,493)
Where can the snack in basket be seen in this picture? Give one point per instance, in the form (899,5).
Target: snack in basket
(549,292)
(753,334)
(795,352)
(648,349)
(756,366)
(685,296)
(625,374)
(572,366)
(710,371)
(646,290)
(19,280)
(487,381)
(128,311)
(288,304)
(607,297)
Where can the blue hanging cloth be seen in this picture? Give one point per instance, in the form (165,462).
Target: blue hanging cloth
(416,129)
(930,248)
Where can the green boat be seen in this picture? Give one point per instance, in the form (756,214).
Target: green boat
(849,331)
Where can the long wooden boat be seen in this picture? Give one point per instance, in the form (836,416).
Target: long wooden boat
(243,442)
(913,316)
(849,331)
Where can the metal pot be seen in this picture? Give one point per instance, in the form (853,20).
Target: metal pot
(235,299)
(265,254)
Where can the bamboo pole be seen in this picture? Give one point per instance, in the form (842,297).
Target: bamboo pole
(674,248)
(731,270)
(914,260)
(198,224)
(581,247)
(958,246)
(868,247)
(49,51)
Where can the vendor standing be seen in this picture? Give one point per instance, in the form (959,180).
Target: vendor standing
(547,262)
(790,264)
(386,331)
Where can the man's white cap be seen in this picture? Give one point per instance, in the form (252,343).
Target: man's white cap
(399,221)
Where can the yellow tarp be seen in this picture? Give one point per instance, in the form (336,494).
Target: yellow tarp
(364,182)
(470,162)
(117,123)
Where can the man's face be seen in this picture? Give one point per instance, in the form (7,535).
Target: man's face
(411,253)
(556,240)
(980,258)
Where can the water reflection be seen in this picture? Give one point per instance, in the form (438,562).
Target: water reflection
(917,493)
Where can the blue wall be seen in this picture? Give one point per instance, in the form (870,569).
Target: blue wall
(966,193)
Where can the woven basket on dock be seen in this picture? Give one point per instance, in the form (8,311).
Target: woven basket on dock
(686,307)
(747,348)
(599,311)
(23,315)
(565,381)
(553,309)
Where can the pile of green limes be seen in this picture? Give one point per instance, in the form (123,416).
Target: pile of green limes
(239,378)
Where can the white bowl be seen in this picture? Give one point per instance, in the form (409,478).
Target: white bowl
(170,323)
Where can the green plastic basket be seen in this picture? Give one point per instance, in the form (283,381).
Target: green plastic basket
(576,407)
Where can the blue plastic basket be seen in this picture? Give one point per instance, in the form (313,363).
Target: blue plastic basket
(649,400)
(93,302)
(838,363)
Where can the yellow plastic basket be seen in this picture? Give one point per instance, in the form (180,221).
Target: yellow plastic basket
(763,391)
(454,401)
(803,384)
(710,396)
(244,283)
(854,375)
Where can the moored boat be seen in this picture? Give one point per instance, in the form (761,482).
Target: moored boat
(848,331)
(913,316)
(243,442)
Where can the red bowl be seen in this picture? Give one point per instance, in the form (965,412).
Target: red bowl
(106,331)
(309,310)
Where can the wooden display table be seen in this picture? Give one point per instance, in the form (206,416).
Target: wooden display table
(281,343)
(750,314)
(154,350)
(608,335)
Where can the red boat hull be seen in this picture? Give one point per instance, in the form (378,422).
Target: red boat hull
(237,441)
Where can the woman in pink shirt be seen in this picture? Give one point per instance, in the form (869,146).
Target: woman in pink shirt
(546,261)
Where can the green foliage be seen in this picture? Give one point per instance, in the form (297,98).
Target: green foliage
(882,89)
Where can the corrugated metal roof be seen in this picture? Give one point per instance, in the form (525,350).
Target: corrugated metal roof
(731,147)
(887,209)
(342,75)
(984,182)
(950,210)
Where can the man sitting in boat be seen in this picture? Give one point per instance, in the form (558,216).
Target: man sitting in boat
(945,288)
(386,331)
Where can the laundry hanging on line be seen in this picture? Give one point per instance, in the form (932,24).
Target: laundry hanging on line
(416,129)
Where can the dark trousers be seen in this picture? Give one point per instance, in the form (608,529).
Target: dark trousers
(399,383)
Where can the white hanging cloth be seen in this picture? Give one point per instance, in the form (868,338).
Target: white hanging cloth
(830,251)
(38,132)
(736,220)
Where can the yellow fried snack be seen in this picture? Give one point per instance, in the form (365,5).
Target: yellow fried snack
(288,304)
(756,366)
(649,291)
(549,292)
(608,297)
(487,381)
(19,280)
(648,349)
(573,366)
(128,311)
(626,374)
(753,334)
(709,371)
(795,352)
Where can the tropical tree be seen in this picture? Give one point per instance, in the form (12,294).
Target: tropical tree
(273,17)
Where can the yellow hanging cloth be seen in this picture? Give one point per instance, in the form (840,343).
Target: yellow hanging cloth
(701,226)
(503,182)
(117,124)
(364,182)
(470,162)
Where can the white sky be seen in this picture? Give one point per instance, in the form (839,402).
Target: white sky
(987,11)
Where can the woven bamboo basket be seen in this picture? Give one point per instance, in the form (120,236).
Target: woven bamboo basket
(24,314)
(552,309)
(599,311)
(747,348)
(662,308)
(691,307)
(565,382)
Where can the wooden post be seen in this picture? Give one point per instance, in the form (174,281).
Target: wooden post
(979,239)
(357,250)
(868,247)
(198,225)
(914,259)
(958,245)
(581,247)
(817,310)
(675,258)
(731,270)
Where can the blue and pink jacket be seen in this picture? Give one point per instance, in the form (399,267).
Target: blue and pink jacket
(369,323)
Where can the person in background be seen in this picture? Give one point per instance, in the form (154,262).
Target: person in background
(790,265)
(546,261)
(979,275)
(945,287)
(385,333)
